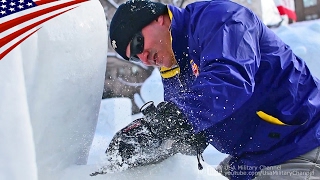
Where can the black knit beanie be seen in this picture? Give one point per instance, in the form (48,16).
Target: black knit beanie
(129,19)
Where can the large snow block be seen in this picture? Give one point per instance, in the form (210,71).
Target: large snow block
(54,91)
(17,150)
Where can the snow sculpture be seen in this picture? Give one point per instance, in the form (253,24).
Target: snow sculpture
(51,88)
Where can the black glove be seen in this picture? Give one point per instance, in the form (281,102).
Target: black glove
(162,133)
(134,145)
(167,121)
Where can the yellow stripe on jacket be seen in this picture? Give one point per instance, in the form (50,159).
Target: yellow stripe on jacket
(269,118)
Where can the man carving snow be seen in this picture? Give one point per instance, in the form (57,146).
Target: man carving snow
(230,81)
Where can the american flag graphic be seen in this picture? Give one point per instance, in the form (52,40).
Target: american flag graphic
(19,19)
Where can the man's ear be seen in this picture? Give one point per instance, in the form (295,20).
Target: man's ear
(160,19)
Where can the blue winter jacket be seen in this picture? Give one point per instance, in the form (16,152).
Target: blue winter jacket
(242,86)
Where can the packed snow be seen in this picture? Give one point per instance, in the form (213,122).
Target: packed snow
(50,93)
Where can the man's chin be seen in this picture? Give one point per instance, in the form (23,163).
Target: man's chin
(165,66)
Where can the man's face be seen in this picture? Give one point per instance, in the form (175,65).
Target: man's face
(157,48)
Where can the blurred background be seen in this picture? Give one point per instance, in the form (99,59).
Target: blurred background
(124,79)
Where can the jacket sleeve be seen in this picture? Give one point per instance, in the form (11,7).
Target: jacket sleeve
(228,57)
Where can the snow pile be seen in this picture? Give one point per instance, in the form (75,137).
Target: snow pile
(176,167)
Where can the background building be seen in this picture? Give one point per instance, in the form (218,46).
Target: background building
(307,9)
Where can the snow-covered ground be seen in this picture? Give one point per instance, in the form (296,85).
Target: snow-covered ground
(50,93)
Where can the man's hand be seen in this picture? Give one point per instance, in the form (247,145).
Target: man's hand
(162,133)
(167,121)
